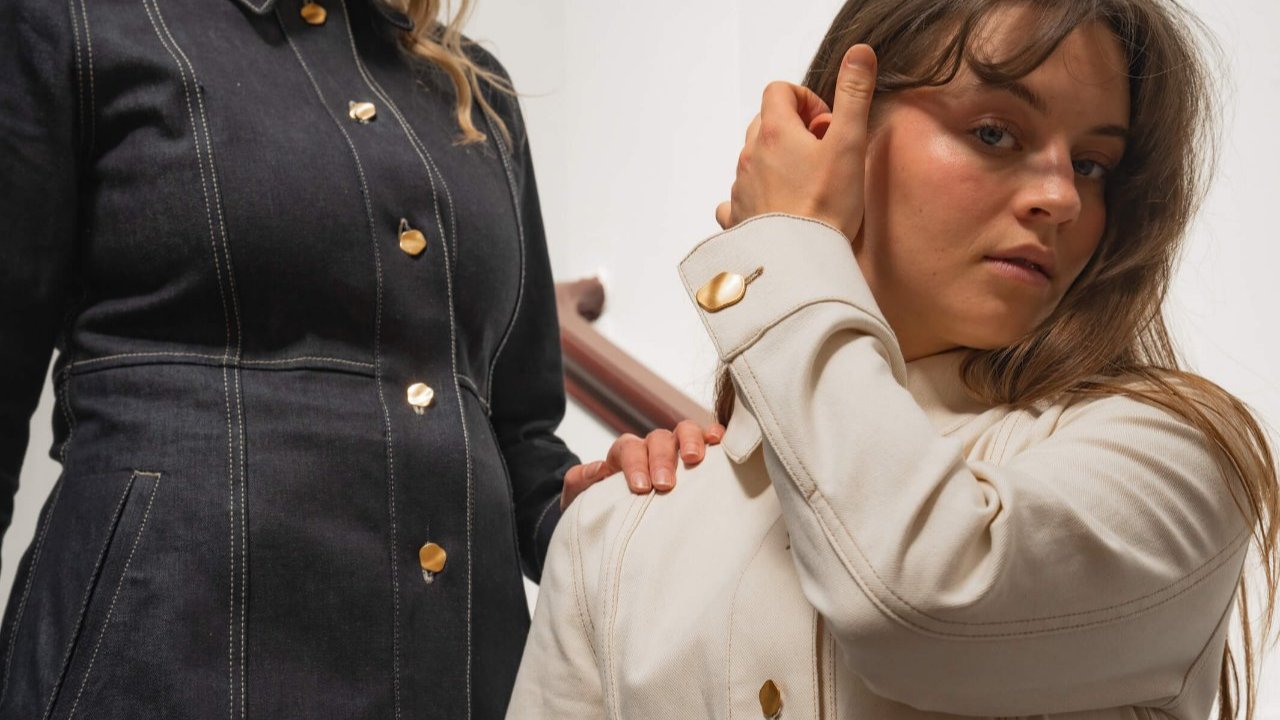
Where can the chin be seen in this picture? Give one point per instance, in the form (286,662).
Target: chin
(992,335)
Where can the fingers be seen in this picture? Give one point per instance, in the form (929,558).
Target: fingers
(629,455)
(784,101)
(819,125)
(724,215)
(579,478)
(692,443)
(661,445)
(855,87)
(714,433)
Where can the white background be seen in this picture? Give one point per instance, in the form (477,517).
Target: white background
(637,110)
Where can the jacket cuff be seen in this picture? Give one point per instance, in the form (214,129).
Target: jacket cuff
(799,261)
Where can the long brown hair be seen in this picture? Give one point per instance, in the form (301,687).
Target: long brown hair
(1108,336)
(437,37)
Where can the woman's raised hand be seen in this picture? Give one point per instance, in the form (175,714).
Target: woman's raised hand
(648,463)
(801,158)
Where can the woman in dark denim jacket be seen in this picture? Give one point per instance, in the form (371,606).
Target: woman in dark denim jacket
(308,373)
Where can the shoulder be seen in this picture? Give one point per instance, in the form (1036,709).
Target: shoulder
(608,525)
(501,95)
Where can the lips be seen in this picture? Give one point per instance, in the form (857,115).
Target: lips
(1032,257)
(1027,264)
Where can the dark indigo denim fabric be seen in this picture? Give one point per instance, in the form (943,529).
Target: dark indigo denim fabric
(189,215)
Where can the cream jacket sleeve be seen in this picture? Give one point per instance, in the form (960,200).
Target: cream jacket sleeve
(1094,569)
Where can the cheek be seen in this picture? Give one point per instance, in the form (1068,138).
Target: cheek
(1079,244)
(927,200)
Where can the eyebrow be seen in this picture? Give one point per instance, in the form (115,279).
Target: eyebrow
(1030,97)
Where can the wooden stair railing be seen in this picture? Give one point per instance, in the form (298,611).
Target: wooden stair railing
(606,380)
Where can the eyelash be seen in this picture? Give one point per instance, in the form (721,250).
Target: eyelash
(994,125)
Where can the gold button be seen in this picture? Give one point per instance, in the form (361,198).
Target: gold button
(770,700)
(420,396)
(432,557)
(412,242)
(724,290)
(314,13)
(361,112)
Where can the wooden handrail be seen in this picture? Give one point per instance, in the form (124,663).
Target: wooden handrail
(605,379)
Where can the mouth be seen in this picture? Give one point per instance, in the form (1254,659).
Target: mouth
(1021,268)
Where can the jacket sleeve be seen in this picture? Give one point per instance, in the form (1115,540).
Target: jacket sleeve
(527,393)
(39,131)
(560,674)
(1094,569)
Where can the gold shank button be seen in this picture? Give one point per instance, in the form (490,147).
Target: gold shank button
(314,13)
(724,290)
(770,700)
(420,396)
(432,558)
(361,112)
(412,241)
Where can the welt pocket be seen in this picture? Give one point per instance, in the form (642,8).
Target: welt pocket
(100,525)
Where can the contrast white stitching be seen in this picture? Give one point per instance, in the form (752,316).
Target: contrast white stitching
(93,112)
(88,591)
(79,63)
(183,70)
(137,538)
(515,204)
(377,354)
(425,156)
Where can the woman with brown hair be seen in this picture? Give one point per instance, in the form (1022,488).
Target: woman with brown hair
(309,376)
(963,473)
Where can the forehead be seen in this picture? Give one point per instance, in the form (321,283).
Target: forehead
(1089,62)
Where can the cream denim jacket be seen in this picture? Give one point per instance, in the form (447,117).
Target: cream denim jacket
(872,543)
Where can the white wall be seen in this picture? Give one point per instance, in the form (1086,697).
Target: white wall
(637,111)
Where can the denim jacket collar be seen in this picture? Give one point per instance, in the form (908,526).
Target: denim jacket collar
(388,13)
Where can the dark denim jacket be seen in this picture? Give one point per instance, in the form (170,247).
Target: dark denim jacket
(193,213)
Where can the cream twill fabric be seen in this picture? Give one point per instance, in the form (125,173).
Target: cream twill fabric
(878,545)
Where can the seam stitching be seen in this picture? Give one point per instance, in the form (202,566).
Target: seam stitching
(640,505)
(537,527)
(432,173)
(503,152)
(733,602)
(377,354)
(88,592)
(1204,570)
(64,403)
(184,68)
(106,621)
(580,587)
(93,111)
(227,361)
(79,63)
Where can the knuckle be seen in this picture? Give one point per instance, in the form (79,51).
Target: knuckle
(860,87)
(657,436)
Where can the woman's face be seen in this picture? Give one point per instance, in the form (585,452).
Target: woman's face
(984,203)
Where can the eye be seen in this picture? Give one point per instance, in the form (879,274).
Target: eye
(1091,169)
(995,135)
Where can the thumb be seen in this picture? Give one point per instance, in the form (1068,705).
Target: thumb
(854,88)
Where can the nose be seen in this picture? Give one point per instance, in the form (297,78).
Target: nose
(1050,195)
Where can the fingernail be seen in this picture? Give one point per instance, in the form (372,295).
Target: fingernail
(594,469)
(640,482)
(662,480)
(690,452)
(859,58)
